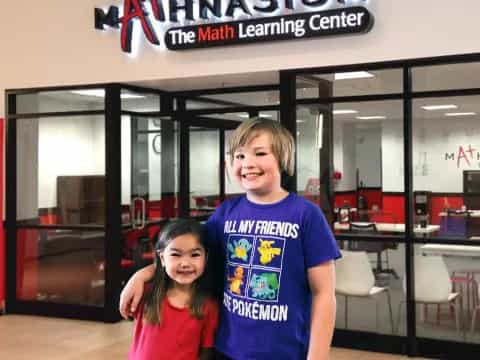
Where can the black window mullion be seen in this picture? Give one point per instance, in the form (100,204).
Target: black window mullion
(113,234)
(288,120)
(11,202)
(221,170)
(408,187)
(184,190)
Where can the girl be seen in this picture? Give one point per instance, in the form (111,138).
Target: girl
(277,251)
(177,319)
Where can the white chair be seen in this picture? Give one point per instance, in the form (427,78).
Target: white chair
(354,278)
(433,286)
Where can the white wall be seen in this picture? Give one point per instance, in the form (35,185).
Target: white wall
(392,155)
(68,146)
(55,43)
(204,162)
(435,137)
(432,139)
(367,152)
(357,148)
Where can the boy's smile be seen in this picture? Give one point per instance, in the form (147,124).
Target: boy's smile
(256,170)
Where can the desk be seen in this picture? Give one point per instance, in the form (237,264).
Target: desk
(451,250)
(460,223)
(389,227)
(471,213)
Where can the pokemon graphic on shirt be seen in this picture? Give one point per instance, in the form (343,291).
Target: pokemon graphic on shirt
(254,266)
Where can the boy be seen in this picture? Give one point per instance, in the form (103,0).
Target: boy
(278,298)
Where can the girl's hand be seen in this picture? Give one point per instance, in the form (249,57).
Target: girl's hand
(130,296)
(133,291)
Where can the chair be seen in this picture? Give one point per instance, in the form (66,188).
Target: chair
(476,309)
(433,286)
(354,278)
(376,247)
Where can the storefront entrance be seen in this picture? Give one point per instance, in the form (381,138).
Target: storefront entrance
(388,151)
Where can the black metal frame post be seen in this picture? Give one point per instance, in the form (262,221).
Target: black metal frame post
(409,234)
(11,202)
(288,118)
(113,234)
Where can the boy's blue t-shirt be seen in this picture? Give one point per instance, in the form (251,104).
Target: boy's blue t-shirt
(268,250)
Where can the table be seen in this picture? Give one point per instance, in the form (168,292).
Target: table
(388,227)
(471,213)
(451,250)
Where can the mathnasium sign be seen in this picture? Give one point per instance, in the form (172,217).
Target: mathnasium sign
(211,31)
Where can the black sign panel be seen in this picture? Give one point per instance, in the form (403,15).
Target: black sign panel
(296,26)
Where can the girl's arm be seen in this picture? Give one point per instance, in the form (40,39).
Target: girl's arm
(321,279)
(133,291)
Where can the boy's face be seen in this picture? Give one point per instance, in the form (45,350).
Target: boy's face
(256,168)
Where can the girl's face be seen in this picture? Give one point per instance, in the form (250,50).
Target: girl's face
(184,259)
(256,169)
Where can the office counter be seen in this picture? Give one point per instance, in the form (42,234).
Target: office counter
(388,227)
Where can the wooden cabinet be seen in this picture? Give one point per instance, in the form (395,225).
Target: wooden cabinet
(81,199)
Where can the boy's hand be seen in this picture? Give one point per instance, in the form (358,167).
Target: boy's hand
(131,295)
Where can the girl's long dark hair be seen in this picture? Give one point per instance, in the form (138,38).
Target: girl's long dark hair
(161,281)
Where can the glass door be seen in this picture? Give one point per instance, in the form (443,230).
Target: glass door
(148,185)
(206,164)
(56,208)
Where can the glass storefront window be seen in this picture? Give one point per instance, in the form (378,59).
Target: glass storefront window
(371,82)
(446,291)
(139,101)
(368,295)
(61,266)
(204,174)
(446,167)
(368,167)
(445,77)
(61,170)
(62,100)
(149,169)
(257,98)
(242,116)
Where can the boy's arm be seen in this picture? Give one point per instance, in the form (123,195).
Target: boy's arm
(321,279)
(133,291)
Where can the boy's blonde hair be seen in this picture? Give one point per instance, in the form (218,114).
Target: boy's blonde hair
(283,144)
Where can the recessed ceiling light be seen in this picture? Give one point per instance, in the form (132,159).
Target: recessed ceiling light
(265,115)
(244,116)
(346,111)
(439,107)
(373,117)
(101,93)
(470,113)
(353,75)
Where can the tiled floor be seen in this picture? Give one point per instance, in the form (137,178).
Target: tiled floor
(30,337)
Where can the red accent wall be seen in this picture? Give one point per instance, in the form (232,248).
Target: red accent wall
(346,198)
(372,196)
(394,205)
(2,232)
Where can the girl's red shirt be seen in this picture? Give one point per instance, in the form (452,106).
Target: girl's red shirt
(180,336)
